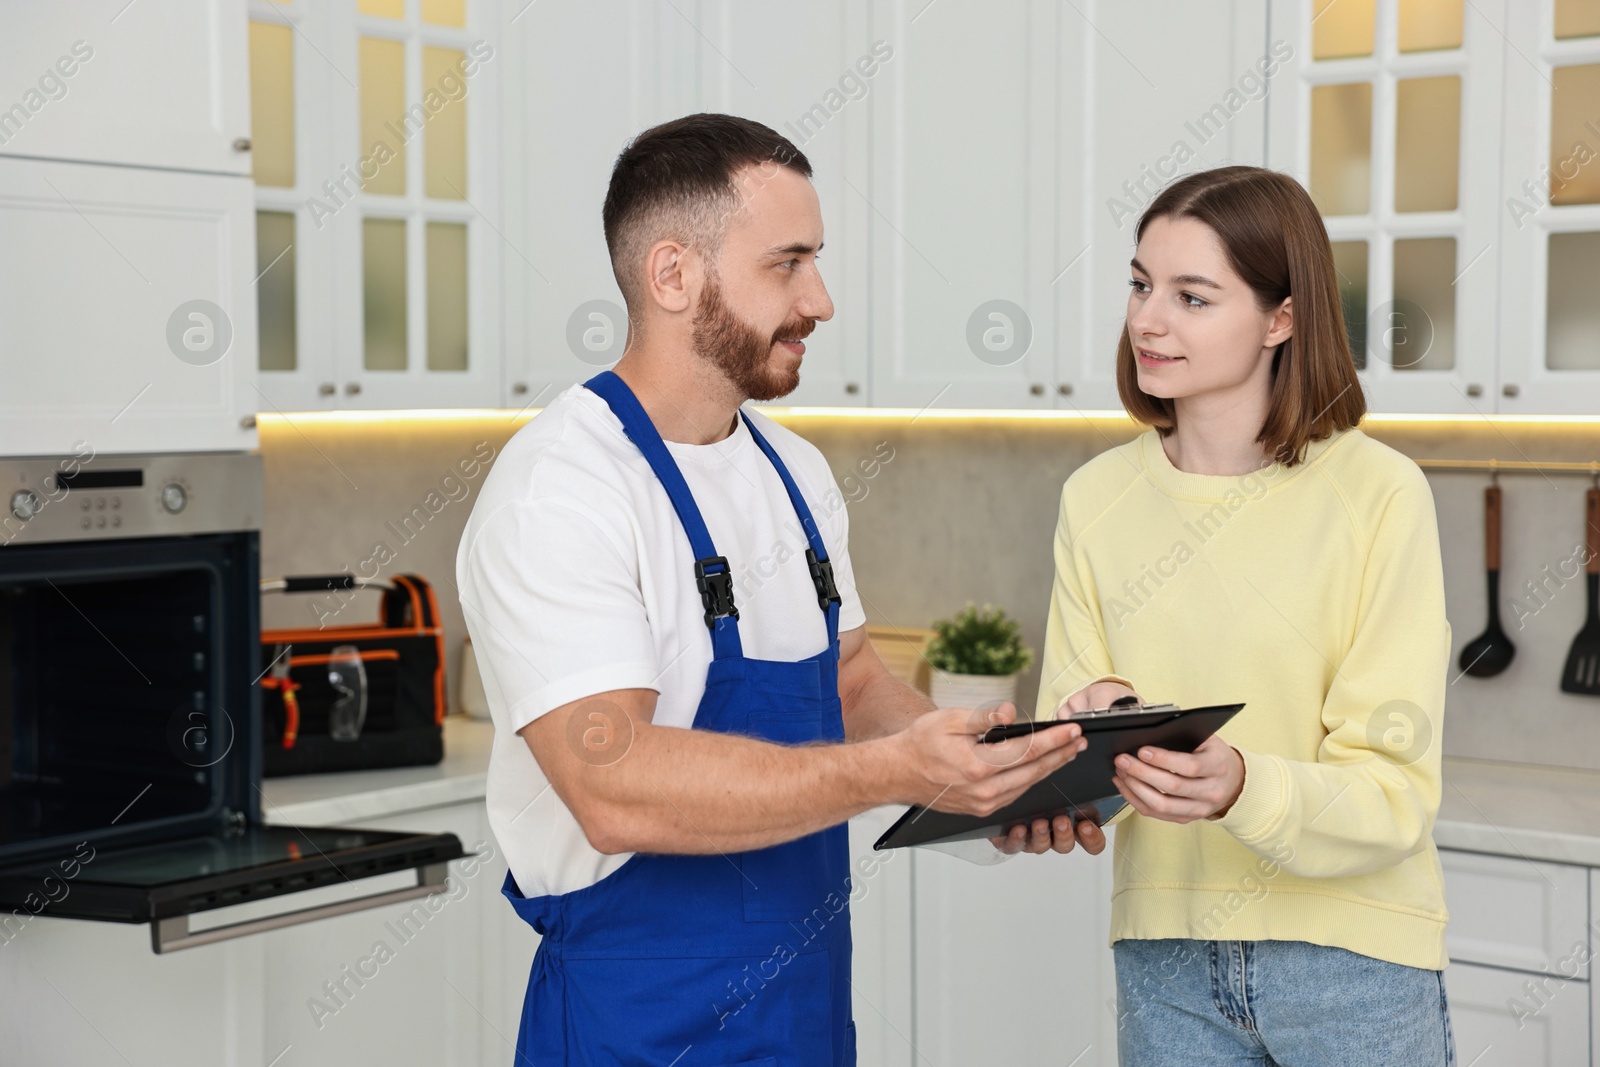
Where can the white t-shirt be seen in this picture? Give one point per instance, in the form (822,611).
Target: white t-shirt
(577,578)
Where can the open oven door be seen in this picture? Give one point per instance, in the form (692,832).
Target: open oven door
(168,883)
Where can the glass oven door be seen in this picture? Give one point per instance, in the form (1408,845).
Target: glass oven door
(166,883)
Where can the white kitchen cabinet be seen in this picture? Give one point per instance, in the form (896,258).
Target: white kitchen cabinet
(979,188)
(109,81)
(582,80)
(941,195)
(1138,109)
(1499,1023)
(1519,943)
(993,154)
(398,984)
(1368,132)
(769,62)
(880,930)
(1013,149)
(127,317)
(1594,987)
(1516,914)
(967,226)
(1549,323)
(384,233)
(302,77)
(810,71)
(92,994)
(1012,964)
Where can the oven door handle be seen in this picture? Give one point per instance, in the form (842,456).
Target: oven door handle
(321,583)
(172,934)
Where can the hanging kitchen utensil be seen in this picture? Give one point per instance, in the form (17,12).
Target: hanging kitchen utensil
(1582,673)
(1491,651)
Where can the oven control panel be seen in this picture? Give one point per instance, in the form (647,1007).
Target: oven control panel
(91,497)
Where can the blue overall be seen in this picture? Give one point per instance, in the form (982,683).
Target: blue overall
(723,959)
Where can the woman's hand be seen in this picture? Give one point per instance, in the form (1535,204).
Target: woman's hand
(1179,787)
(1098,695)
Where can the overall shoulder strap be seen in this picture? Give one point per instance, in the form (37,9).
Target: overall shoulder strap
(712,575)
(816,552)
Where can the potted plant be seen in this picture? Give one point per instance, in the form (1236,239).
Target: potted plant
(976,657)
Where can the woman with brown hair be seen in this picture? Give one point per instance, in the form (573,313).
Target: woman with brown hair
(1278,896)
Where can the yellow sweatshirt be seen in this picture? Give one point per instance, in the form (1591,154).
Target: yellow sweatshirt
(1315,595)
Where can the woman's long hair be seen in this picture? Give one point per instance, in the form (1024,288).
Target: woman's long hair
(1275,241)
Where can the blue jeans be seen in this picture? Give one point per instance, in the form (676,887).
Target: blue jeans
(1201,1003)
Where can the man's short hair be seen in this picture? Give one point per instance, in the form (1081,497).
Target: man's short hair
(675,182)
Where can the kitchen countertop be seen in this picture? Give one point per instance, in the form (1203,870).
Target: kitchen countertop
(347,798)
(1507,809)
(1520,810)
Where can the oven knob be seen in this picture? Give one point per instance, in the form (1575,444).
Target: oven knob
(24,504)
(173,498)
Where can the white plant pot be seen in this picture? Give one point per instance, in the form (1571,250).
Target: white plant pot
(970,690)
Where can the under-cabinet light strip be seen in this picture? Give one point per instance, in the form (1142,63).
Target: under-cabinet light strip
(889,414)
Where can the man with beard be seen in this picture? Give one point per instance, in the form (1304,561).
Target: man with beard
(672,769)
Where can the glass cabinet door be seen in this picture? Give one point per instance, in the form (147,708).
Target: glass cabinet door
(295,352)
(377,191)
(1389,113)
(1550,318)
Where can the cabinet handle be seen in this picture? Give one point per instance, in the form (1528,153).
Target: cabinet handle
(326,389)
(519,389)
(1510,389)
(852,388)
(241,144)
(247,423)
(352,388)
(1037,389)
(1065,388)
(1474,389)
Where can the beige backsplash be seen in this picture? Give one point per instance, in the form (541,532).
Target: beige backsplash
(964,510)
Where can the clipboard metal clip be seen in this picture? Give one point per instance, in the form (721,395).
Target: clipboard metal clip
(1120,706)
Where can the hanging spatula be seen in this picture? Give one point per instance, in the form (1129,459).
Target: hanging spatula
(1491,651)
(1582,673)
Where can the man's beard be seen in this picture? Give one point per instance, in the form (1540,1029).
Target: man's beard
(740,351)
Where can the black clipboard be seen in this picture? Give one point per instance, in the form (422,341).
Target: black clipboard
(1083,787)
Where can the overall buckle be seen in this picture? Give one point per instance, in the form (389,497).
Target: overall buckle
(822,578)
(716,589)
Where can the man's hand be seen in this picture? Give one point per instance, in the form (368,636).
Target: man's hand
(952,770)
(1179,787)
(1058,835)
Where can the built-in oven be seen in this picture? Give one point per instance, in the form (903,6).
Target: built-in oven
(130,738)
